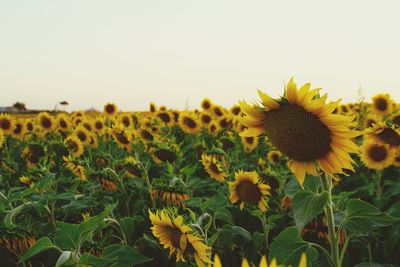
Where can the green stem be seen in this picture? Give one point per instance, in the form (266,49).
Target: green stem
(346,244)
(327,186)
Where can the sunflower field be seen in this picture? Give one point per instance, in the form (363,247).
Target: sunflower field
(295,180)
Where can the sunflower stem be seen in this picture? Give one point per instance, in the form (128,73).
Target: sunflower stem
(327,186)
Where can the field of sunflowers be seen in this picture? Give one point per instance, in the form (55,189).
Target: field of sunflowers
(287,180)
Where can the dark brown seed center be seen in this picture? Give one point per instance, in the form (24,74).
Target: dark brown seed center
(174,235)
(46,123)
(165,155)
(248,192)
(381,104)
(5,124)
(377,153)
(299,134)
(390,137)
(189,122)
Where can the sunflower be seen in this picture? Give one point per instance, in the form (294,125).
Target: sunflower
(235,110)
(46,122)
(218,111)
(170,198)
(146,135)
(395,118)
(165,117)
(382,104)
(99,125)
(108,185)
(93,141)
(189,123)
(396,161)
(213,128)
(377,156)
(76,169)
(82,134)
(249,143)
(29,126)
(121,137)
(63,122)
(19,131)
(302,126)
(1,138)
(176,236)
(371,120)
(214,167)
(274,156)
(32,154)
(7,123)
(205,119)
(152,107)
(163,155)
(248,189)
(74,146)
(110,109)
(384,134)
(206,104)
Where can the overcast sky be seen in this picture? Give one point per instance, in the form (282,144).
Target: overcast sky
(89,52)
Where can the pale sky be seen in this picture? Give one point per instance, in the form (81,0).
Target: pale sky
(89,52)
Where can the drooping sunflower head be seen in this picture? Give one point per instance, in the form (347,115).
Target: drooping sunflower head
(74,146)
(384,134)
(110,109)
(7,123)
(32,154)
(214,166)
(63,122)
(248,189)
(382,104)
(249,143)
(302,126)
(19,130)
(376,156)
(206,104)
(189,123)
(121,137)
(274,156)
(163,155)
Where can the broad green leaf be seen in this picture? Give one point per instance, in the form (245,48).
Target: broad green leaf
(64,257)
(126,256)
(224,215)
(288,246)
(307,205)
(88,259)
(95,221)
(40,245)
(237,230)
(362,217)
(67,236)
(9,218)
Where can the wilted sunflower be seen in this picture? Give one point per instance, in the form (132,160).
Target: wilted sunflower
(16,244)
(170,198)
(302,126)
(206,104)
(214,166)
(45,122)
(376,156)
(121,137)
(63,122)
(7,123)
(382,104)
(110,109)
(249,143)
(163,155)
(248,189)
(274,156)
(74,146)
(384,134)
(82,134)
(108,185)
(173,234)
(76,169)
(189,123)
(32,154)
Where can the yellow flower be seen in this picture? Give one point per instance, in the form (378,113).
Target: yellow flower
(376,156)
(382,104)
(302,126)
(214,167)
(7,123)
(74,146)
(248,189)
(249,143)
(110,109)
(46,122)
(274,156)
(189,123)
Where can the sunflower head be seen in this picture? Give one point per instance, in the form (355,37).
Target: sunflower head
(376,156)
(188,123)
(7,123)
(206,104)
(214,128)
(384,134)
(110,109)
(82,134)
(33,153)
(274,156)
(19,130)
(165,117)
(249,143)
(214,166)
(248,189)
(205,118)
(371,120)
(303,127)
(74,146)
(121,137)
(152,107)
(46,122)
(163,155)
(63,122)
(382,104)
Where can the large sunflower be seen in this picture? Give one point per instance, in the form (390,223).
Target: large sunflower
(63,122)
(214,167)
(302,126)
(384,134)
(46,122)
(248,189)
(377,156)
(382,104)
(7,123)
(176,236)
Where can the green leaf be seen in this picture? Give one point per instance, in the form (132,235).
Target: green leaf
(307,205)
(362,217)
(237,230)
(9,218)
(224,215)
(126,256)
(40,245)
(88,259)
(288,246)
(95,221)
(67,236)
(215,202)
